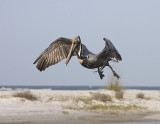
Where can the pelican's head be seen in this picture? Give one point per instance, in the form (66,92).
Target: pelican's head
(75,47)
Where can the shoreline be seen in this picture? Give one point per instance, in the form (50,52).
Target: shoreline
(78,106)
(85,118)
(74,87)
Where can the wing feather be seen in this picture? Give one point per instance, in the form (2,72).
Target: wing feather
(40,63)
(42,67)
(57,51)
(110,51)
(65,52)
(45,65)
(59,55)
(50,61)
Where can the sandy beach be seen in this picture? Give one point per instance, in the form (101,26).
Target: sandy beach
(69,107)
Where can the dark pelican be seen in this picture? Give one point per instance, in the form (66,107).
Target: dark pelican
(66,48)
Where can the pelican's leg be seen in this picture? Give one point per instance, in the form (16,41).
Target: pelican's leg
(100,72)
(114,73)
(102,67)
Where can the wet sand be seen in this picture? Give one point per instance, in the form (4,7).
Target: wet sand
(79,118)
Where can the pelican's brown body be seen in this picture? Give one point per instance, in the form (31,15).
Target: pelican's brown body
(66,48)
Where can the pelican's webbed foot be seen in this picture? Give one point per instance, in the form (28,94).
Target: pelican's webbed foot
(100,72)
(114,73)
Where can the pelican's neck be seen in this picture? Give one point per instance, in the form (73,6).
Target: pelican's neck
(79,50)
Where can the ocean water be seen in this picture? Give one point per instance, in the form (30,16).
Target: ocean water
(141,123)
(76,87)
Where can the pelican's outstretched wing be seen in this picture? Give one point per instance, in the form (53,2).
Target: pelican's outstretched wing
(85,51)
(56,51)
(110,51)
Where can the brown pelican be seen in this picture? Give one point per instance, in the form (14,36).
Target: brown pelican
(63,48)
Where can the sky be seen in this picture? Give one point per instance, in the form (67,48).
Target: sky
(27,27)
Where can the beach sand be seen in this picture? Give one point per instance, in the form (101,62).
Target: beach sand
(70,107)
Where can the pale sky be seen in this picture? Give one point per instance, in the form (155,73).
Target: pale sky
(27,27)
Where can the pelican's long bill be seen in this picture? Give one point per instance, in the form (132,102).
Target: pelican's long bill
(70,53)
(75,48)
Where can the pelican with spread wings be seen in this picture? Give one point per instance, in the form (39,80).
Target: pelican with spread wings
(63,48)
